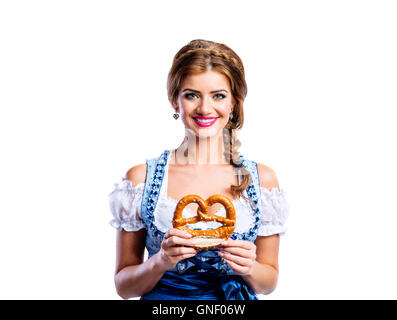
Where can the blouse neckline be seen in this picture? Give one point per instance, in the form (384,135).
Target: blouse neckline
(164,185)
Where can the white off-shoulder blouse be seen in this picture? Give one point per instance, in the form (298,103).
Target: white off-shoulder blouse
(125,204)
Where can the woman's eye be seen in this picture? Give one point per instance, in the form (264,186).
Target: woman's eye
(189,95)
(192,95)
(220,95)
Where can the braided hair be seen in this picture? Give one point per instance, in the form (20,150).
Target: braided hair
(202,55)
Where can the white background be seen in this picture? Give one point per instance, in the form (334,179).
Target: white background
(83,98)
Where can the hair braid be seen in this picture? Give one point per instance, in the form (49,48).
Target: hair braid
(232,144)
(213,52)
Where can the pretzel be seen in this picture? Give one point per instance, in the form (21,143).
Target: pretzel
(206,239)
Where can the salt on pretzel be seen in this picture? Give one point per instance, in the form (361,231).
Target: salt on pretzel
(206,239)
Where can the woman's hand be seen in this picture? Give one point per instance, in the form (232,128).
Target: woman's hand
(240,255)
(175,247)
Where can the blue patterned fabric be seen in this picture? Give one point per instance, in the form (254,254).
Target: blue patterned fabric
(205,276)
(200,286)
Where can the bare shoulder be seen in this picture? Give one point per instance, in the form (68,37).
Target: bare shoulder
(267,177)
(136,174)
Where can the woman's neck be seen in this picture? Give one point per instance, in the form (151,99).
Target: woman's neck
(200,151)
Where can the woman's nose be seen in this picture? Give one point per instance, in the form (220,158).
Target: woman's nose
(205,106)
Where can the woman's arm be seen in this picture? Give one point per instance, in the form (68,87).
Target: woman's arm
(133,277)
(264,273)
(256,262)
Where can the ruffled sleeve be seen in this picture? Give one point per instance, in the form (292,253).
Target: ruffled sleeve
(275,211)
(125,206)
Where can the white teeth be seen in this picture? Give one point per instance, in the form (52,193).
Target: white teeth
(205,121)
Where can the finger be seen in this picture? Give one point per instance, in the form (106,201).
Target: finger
(178,241)
(178,251)
(176,259)
(237,268)
(176,232)
(236,259)
(237,243)
(187,255)
(240,252)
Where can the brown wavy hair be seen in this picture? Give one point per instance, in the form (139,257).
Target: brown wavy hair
(203,55)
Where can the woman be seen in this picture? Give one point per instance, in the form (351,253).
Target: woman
(206,88)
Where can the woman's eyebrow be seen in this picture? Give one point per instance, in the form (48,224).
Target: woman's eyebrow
(199,91)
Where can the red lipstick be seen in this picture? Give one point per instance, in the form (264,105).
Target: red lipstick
(205,121)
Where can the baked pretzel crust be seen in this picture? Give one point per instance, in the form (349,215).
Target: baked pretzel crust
(223,232)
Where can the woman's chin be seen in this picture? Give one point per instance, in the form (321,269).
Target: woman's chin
(203,133)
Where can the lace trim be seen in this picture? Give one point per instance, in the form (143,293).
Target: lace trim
(153,192)
(125,203)
(270,229)
(275,211)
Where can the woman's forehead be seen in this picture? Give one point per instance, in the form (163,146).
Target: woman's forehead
(206,81)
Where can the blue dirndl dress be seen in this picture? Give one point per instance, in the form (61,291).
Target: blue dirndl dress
(205,276)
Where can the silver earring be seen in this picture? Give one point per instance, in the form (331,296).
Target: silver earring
(176,116)
(231,116)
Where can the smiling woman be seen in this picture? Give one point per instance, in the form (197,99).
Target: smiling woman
(206,87)
(203,107)
(207,68)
